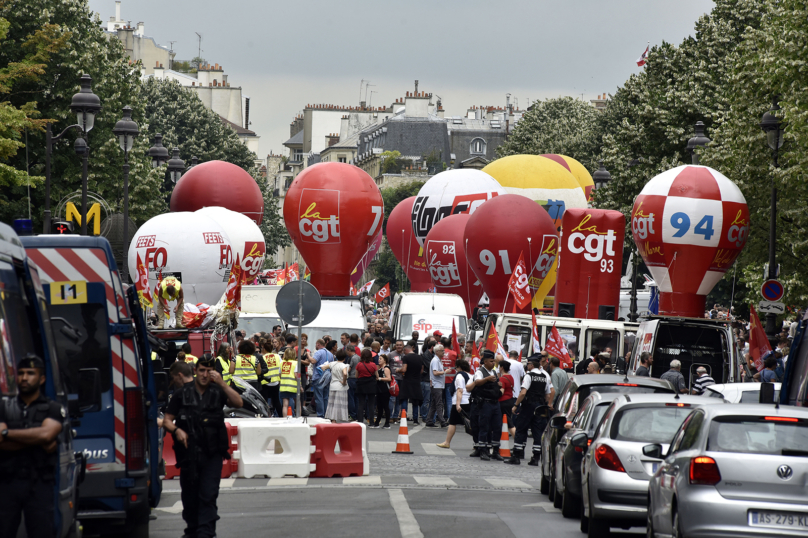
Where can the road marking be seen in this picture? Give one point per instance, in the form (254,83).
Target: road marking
(381,447)
(363,480)
(227,482)
(548,507)
(416,429)
(434,481)
(288,481)
(176,509)
(508,483)
(434,450)
(407,523)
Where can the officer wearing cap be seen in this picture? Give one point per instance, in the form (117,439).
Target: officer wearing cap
(537,390)
(485,392)
(200,443)
(29,427)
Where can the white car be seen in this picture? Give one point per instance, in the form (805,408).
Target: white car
(738,392)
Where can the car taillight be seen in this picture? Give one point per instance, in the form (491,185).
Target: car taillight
(606,458)
(704,471)
(135,430)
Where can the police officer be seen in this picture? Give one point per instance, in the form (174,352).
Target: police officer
(537,390)
(200,443)
(29,427)
(485,391)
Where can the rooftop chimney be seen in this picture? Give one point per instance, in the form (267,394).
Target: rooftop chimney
(416,87)
(118,10)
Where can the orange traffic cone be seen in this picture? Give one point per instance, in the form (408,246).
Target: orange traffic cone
(403,444)
(289,413)
(504,440)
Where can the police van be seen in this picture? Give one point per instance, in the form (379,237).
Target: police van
(101,340)
(26,327)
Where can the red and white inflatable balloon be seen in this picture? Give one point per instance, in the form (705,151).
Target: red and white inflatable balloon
(445,255)
(249,248)
(333,212)
(501,230)
(405,246)
(689,223)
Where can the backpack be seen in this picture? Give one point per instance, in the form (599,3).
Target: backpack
(393,386)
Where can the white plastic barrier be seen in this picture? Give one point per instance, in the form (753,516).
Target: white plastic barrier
(274,448)
(365,459)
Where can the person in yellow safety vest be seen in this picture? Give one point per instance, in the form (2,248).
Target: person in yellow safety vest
(186,348)
(246,366)
(223,362)
(289,378)
(169,289)
(156,358)
(271,383)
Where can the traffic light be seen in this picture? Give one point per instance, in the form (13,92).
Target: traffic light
(62,227)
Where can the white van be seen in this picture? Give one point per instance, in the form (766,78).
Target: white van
(580,335)
(337,315)
(258,312)
(427,313)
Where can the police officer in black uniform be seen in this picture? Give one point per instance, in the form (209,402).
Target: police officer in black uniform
(485,391)
(537,392)
(200,443)
(30,425)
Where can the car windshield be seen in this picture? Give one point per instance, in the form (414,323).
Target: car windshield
(252,325)
(315,333)
(648,424)
(759,435)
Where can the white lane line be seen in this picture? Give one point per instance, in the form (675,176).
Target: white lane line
(508,483)
(176,509)
(407,523)
(227,482)
(363,480)
(288,481)
(434,450)
(416,429)
(381,447)
(434,481)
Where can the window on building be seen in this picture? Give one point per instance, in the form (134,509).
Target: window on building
(298,156)
(342,159)
(478,146)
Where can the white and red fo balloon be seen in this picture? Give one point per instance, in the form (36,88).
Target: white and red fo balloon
(497,233)
(445,255)
(248,243)
(405,247)
(690,223)
(333,212)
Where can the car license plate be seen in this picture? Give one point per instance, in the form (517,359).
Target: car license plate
(783,520)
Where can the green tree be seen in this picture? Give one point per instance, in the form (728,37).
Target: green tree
(387,268)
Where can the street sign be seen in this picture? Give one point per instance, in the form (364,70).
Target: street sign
(287,302)
(770,307)
(772,290)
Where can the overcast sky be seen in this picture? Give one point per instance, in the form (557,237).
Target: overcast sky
(470,52)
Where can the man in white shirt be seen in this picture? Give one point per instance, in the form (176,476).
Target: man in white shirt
(517,372)
(437,383)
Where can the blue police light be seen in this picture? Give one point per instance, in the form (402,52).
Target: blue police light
(24,227)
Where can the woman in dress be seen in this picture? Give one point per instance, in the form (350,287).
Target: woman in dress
(385,375)
(337,410)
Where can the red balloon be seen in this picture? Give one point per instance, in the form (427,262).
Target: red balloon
(219,184)
(333,212)
(502,229)
(405,246)
(446,260)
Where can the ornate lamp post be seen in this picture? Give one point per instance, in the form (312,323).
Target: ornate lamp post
(175,166)
(158,153)
(126,130)
(601,177)
(700,140)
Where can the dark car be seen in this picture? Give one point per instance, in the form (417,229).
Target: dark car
(568,457)
(578,389)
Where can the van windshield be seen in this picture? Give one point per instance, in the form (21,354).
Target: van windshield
(251,325)
(92,348)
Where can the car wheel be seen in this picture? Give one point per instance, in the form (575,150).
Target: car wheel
(676,529)
(552,489)
(597,527)
(544,485)
(584,518)
(569,505)
(557,500)
(649,525)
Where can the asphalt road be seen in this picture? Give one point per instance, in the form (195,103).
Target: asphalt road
(433,492)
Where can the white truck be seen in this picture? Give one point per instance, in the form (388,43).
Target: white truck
(258,312)
(427,313)
(337,315)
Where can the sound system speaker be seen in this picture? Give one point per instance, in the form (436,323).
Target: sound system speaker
(606,312)
(566,310)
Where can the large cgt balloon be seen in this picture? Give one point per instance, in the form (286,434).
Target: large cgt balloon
(496,235)
(446,260)
(451,192)
(333,212)
(405,246)
(689,224)
(219,184)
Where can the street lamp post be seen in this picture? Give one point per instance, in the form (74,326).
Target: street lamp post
(158,153)
(774,128)
(175,166)
(601,177)
(126,130)
(700,140)
(85,105)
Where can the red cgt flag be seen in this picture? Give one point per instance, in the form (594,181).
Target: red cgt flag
(517,285)
(142,283)
(383,293)
(233,290)
(492,342)
(556,347)
(759,345)
(455,343)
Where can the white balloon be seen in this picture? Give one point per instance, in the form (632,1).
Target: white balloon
(190,246)
(451,192)
(245,236)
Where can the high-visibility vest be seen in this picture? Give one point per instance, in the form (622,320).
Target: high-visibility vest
(226,375)
(154,356)
(191,358)
(245,368)
(288,378)
(166,282)
(273,374)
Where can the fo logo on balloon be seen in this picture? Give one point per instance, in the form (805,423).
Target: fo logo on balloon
(442,263)
(319,216)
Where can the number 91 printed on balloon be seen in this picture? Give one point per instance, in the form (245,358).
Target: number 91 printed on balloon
(690,224)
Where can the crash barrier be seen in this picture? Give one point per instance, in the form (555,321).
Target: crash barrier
(169,457)
(338,450)
(229,467)
(274,449)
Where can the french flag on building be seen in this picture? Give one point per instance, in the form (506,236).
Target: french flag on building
(644,56)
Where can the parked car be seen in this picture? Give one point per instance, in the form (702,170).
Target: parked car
(578,388)
(739,392)
(615,469)
(568,458)
(734,470)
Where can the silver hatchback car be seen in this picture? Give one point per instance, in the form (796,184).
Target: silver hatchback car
(735,470)
(615,472)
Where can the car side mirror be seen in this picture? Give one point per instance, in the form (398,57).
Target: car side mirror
(89,397)
(559,422)
(161,387)
(653,451)
(580,440)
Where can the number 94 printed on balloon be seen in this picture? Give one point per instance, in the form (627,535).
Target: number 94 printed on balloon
(693,222)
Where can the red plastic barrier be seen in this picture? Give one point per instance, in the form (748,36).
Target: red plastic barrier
(169,457)
(230,466)
(349,460)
